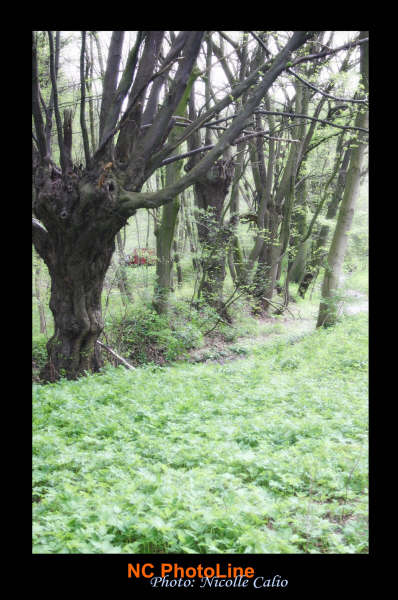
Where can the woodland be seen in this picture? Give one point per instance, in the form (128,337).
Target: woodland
(200,291)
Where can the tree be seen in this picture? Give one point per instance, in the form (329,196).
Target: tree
(77,213)
(328,310)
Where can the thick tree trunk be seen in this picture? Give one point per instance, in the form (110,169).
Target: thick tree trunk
(77,248)
(76,306)
(328,310)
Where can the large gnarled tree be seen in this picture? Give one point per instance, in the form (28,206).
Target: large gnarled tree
(77,213)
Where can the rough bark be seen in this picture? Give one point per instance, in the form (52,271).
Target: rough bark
(77,243)
(81,212)
(210,193)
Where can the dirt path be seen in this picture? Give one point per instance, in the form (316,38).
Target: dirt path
(360,301)
(361,304)
(292,326)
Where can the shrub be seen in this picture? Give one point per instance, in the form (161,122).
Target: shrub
(39,350)
(143,336)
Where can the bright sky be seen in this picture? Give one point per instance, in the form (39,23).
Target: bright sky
(70,60)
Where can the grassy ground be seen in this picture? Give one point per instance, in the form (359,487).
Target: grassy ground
(264,454)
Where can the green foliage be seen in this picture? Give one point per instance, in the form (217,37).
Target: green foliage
(252,456)
(144,336)
(39,351)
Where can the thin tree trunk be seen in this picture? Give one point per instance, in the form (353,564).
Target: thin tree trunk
(328,310)
(40,305)
(319,251)
(122,280)
(166,230)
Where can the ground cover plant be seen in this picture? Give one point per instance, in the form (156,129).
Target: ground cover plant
(263,454)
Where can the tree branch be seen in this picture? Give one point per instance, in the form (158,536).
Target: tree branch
(130,201)
(297,116)
(328,52)
(83,125)
(110,83)
(235,93)
(40,239)
(161,125)
(117,356)
(37,117)
(353,100)
(56,107)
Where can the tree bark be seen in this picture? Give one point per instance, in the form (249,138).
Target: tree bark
(81,213)
(210,193)
(76,240)
(37,294)
(327,315)
(166,230)
(319,250)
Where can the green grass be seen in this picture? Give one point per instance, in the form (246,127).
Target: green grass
(264,454)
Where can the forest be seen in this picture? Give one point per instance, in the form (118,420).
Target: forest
(200,292)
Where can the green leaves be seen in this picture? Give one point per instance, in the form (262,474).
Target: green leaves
(265,454)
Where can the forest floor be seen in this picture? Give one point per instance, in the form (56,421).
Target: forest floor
(264,455)
(293,325)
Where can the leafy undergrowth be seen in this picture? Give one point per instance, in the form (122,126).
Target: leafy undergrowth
(267,454)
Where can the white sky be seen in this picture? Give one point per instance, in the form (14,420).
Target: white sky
(71,55)
(70,60)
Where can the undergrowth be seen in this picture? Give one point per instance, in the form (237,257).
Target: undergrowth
(265,454)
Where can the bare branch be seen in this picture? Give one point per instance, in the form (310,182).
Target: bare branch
(68,138)
(162,122)
(235,92)
(260,41)
(130,201)
(49,109)
(37,117)
(83,125)
(40,239)
(56,108)
(297,116)
(160,76)
(328,52)
(353,100)
(110,78)
(115,355)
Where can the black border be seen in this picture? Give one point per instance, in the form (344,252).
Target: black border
(309,575)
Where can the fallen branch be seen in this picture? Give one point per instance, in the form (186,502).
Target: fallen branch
(115,355)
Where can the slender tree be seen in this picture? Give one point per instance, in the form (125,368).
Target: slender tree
(328,307)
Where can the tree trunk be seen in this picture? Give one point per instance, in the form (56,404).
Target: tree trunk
(165,232)
(121,275)
(164,239)
(76,306)
(319,251)
(213,235)
(328,310)
(298,251)
(40,305)
(265,276)
(77,248)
